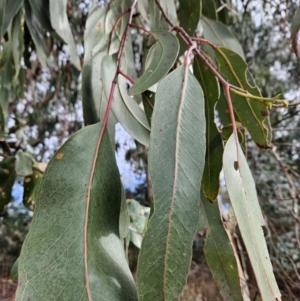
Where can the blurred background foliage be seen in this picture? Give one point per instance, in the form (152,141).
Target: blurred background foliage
(41,107)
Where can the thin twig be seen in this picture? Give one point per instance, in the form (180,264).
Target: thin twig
(131,80)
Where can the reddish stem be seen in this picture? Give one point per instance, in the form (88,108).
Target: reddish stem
(131,80)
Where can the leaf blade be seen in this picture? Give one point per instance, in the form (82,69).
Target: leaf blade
(176,171)
(54,249)
(166,49)
(242,193)
(219,253)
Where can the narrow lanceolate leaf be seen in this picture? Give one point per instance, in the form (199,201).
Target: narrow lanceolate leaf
(73,250)
(242,193)
(218,251)
(36,34)
(130,119)
(214,145)
(148,102)
(60,23)
(220,35)
(176,163)
(251,113)
(165,54)
(209,9)
(96,46)
(295,27)
(7,179)
(189,15)
(11,9)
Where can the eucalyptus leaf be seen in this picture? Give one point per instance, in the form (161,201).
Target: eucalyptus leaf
(251,113)
(218,251)
(132,125)
(176,163)
(60,23)
(23,164)
(11,9)
(73,242)
(31,185)
(166,51)
(295,27)
(214,144)
(243,197)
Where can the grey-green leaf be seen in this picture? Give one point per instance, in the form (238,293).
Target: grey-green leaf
(130,123)
(11,9)
(243,197)
(219,34)
(219,253)
(176,163)
(73,250)
(60,23)
(165,54)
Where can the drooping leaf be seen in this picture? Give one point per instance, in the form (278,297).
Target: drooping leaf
(295,27)
(214,145)
(148,102)
(209,9)
(60,23)
(156,20)
(130,123)
(36,33)
(14,271)
(189,15)
(11,9)
(243,197)
(31,185)
(23,164)
(251,113)
(166,51)
(7,179)
(176,163)
(132,105)
(96,45)
(218,252)
(73,249)
(17,41)
(124,217)
(138,221)
(41,10)
(2,16)
(219,34)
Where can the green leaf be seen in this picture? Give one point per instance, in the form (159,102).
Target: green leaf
(60,23)
(251,113)
(189,15)
(209,9)
(139,216)
(219,34)
(41,11)
(11,9)
(73,250)
(14,271)
(7,179)
(176,163)
(96,45)
(31,185)
(17,41)
(124,217)
(121,112)
(148,102)
(2,16)
(214,145)
(35,30)
(218,252)
(23,164)
(295,27)
(243,197)
(166,51)
(157,21)
(132,105)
